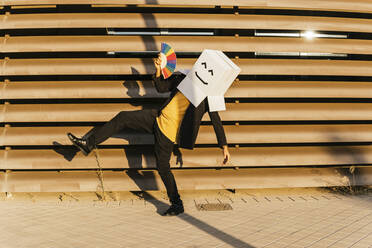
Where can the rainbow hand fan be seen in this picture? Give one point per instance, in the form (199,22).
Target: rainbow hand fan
(168,60)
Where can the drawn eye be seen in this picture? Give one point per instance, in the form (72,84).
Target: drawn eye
(205,64)
(211,71)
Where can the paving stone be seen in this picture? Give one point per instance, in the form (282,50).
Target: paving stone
(270,220)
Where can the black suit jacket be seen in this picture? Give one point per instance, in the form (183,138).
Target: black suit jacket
(191,121)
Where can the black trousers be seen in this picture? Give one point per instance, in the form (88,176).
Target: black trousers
(143,121)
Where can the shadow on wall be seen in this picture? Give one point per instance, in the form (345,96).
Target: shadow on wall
(347,155)
(138,157)
(68,153)
(353,175)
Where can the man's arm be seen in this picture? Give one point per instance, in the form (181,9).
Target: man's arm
(162,85)
(220,133)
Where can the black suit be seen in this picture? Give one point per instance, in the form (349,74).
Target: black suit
(145,121)
(191,122)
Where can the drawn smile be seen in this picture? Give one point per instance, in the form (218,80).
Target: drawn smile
(196,73)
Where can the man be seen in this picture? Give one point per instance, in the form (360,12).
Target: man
(177,121)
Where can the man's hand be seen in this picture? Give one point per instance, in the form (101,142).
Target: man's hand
(178,154)
(226,154)
(157,64)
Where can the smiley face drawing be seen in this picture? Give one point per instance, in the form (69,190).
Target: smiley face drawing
(210,71)
(206,72)
(211,76)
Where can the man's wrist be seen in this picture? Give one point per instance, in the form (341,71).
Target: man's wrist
(158,73)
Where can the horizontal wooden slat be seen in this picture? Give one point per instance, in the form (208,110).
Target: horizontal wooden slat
(235,112)
(145,89)
(161,20)
(80,89)
(2,112)
(336,5)
(332,5)
(82,66)
(2,135)
(190,180)
(242,134)
(182,44)
(102,66)
(64,112)
(142,157)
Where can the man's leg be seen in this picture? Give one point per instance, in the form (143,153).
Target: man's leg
(163,151)
(141,120)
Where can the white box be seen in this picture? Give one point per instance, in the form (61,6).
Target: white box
(211,76)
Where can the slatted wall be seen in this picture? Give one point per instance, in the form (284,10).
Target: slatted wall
(299,114)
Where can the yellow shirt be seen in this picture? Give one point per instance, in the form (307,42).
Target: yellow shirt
(170,118)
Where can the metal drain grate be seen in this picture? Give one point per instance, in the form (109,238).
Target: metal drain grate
(214,207)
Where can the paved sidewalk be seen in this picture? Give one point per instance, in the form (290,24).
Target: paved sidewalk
(259,218)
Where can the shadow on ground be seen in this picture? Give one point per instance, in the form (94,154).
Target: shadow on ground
(221,235)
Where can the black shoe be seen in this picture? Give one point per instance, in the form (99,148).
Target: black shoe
(174,209)
(82,144)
